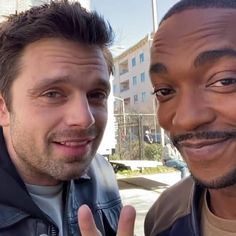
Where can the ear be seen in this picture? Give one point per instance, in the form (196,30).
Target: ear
(4,113)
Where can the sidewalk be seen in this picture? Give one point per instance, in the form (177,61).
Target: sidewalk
(142,191)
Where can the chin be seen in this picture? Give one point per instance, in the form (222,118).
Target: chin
(68,174)
(68,177)
(224,181)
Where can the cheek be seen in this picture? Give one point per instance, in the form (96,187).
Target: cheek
(226,111)
(164,115)
(103,119)
(100,115)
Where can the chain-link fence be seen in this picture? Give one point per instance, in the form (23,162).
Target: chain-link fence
(130,131)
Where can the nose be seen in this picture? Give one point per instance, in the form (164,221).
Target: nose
(192,112)
(80,113)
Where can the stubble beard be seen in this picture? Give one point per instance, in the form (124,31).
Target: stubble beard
(227,180)
(43,165)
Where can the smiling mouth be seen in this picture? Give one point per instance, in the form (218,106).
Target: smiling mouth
(73,143)
(203,137)
(203,150)
(73,149)
(197,144)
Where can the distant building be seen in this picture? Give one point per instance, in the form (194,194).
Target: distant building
(131,80)
(134,104)
(108,143)
(12,6)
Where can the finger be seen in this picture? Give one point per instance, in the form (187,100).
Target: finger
(126,221)
(86,222)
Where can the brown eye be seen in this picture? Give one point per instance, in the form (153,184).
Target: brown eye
(224,82)
(98,97)
(164,94)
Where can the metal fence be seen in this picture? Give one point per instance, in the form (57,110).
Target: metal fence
(130,130)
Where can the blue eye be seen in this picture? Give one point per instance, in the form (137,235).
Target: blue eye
(53,94)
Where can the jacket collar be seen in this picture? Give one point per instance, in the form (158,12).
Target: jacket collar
(13,190)
(196,208)
(6,163)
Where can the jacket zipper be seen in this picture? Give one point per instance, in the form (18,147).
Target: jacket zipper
(65,215)
(53,231)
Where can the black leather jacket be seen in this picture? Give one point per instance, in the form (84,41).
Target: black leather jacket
(20,216)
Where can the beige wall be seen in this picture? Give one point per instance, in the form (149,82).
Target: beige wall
(141,67)
(11,6)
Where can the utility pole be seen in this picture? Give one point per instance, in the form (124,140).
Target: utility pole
(17,6)
(154,15)
(155,26)
(123,109)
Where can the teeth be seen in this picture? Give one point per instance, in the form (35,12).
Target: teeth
(73,144)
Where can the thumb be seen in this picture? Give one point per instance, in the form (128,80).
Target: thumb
(126,221)
(86,222)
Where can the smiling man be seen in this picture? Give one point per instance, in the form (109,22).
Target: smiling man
(193,72)
(54,85)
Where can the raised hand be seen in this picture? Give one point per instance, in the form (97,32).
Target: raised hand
(88,227)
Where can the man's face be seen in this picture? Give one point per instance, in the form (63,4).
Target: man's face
(193,72)
(58,110)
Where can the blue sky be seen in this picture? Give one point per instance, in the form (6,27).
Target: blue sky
(130,19)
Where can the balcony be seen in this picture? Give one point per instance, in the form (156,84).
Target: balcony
(123,68)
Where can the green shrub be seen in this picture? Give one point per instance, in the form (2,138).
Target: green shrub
(114,156)
(138,151)
(146,171)
(153,152)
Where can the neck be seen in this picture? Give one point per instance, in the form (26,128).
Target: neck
(223,202)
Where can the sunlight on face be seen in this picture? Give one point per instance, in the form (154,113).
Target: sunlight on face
(59,110)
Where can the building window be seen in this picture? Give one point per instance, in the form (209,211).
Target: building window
(143,77)
(135,98)
(133,61)
(141,57)
(144,96)
(135,80)
(123,67)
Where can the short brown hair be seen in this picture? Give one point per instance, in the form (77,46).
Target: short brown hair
(59,19)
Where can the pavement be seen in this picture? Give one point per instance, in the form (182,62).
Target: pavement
(142,191)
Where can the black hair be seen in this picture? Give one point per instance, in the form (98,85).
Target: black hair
(193,4)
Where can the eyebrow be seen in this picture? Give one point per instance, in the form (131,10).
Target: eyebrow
(64,79)
(213,56)
(158,68)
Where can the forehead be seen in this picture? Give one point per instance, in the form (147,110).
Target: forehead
(57,56)
(191,31)
(56,48)
(58,61)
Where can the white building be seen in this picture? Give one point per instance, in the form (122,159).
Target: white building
(131,80)
(108,142)
(133,92)
(12,6)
